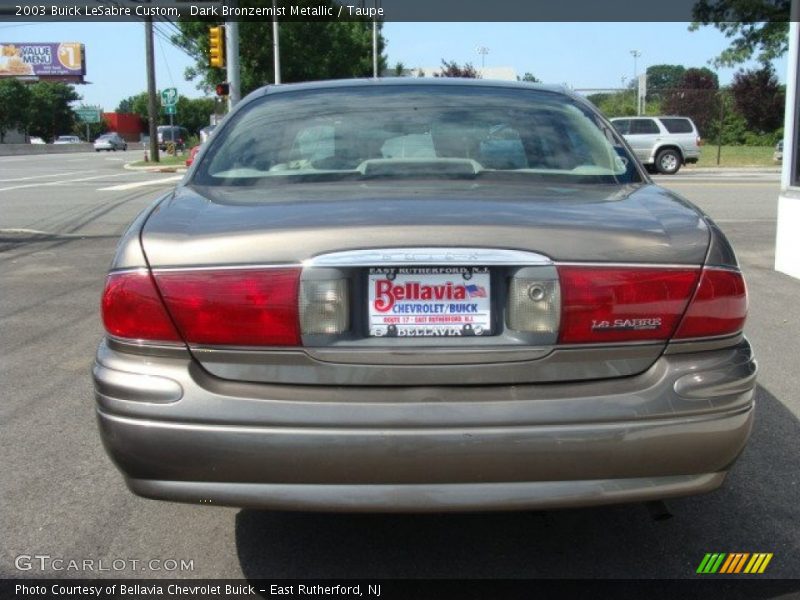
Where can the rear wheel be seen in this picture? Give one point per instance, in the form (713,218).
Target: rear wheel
(668,161)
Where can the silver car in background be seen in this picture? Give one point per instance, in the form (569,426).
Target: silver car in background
(67,139)
(109,142)
(409,295)
(663,144)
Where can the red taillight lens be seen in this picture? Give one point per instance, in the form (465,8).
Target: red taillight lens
(719,306)
(615,304)
(238,307)
(132,308)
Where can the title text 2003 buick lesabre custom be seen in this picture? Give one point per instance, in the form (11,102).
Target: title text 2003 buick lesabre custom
(422,295)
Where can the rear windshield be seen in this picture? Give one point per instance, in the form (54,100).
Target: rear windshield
(677,125)
(417,131)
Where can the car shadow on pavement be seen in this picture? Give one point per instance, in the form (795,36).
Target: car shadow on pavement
(756,510)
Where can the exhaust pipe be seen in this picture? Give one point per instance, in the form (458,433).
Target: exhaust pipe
(658,510)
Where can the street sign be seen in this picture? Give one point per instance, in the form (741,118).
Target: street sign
(169,109)
(169,97)
(88,114)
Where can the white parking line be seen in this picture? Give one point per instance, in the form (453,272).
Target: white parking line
(43,176)
(130,186)
(63,181)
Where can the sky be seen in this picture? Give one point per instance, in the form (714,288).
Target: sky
(581,55)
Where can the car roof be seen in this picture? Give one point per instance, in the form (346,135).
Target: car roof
(652,117)
(390,82)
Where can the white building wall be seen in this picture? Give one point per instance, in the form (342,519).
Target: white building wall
(787,239)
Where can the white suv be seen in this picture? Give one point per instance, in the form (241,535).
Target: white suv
(661,143)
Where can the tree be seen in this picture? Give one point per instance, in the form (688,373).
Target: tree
(14,101)
(399,69)
(126,105)
(529,77)
(695,97)
(663,78)
(619,104)
(192,113)
(310,50)
(758,97)
(95,129)
(50,113)
(756,27)
(452,69)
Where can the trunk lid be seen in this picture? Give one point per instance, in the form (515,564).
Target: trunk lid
(293,223)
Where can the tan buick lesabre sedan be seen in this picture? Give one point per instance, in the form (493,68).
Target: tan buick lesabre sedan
(420,295)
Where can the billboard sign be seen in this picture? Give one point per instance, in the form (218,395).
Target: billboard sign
(63,60)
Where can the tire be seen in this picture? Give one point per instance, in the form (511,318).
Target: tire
(668,161)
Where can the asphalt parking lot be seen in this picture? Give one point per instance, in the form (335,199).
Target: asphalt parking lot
(60,217)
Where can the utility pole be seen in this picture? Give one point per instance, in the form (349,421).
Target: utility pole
(232,59)
(375,47)
(483,51)
(276,47)
(375,73)
(152,109)
(636,54)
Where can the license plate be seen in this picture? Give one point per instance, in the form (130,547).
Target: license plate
(429,301)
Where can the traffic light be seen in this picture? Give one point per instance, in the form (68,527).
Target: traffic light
(223,89)
(216,46)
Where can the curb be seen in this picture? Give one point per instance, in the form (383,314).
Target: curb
(776,169)
(155,169)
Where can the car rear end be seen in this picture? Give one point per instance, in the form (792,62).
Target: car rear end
(315,337)
(683,132)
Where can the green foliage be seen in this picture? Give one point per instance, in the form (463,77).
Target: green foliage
(399,69)
(663,78)
(453,69)
(758,97)
(755,27)
(95,129)
(620,104)
(309,50)
(192,113)
(14,100)
(126,105)
(696,97)
(529,77)
(49,113)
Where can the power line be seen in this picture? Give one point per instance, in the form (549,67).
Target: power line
(164,56)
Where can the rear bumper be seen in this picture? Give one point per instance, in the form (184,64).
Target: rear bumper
(177,433)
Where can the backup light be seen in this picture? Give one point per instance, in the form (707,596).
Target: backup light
(324,306)
(534,305)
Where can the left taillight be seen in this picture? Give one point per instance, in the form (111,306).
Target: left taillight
(132,308)
(233,307)
(623,304)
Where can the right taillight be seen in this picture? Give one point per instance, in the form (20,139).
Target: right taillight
(718,308)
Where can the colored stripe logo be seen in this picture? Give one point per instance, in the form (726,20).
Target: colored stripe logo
(734,563)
